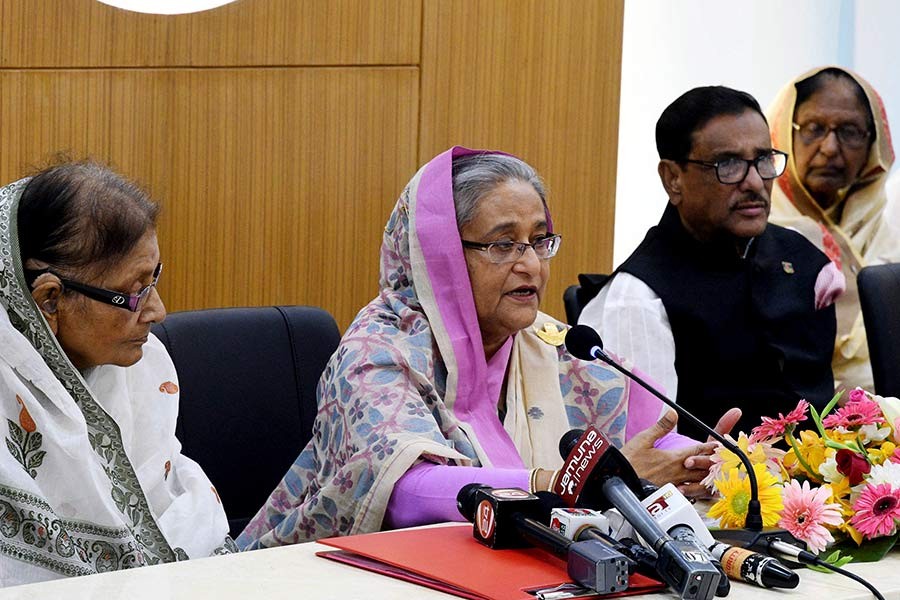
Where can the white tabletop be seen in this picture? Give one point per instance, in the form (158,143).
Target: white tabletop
(294,572)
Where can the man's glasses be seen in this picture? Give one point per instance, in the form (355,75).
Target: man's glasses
(848,134)
(734,170)
(506,252)
(134,303)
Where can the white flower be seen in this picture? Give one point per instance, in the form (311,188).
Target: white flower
(888,472)
(890,406)
(829,470)
(872,433)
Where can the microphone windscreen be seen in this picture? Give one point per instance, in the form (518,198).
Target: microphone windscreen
(580,339)
(547,502)
(567,442)
(465,500)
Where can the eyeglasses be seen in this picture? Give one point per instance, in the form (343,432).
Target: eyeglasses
(507,252)
(134,303)
(734,170)
(848,134)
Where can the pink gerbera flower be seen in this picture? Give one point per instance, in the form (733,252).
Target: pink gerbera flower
(773,428)
(807,512)
(877,510)
(854,415)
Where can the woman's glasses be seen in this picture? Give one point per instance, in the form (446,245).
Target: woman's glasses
(848,134)
(132,302)
(506,252)
(734,170)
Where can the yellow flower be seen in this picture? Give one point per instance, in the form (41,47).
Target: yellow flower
(841,436)
(812,451)
(731,461)
(882,453)
(731,509)
(851,531)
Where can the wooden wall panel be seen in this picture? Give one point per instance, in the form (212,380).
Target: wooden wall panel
(276,183)
(278,133)
(87,33)
(540,79)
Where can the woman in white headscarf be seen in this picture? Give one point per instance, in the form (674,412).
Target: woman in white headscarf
(833,125)
(91,475)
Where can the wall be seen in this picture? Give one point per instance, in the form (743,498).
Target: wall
(279,133)
(671,47)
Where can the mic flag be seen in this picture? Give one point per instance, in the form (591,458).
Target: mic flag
(578,483)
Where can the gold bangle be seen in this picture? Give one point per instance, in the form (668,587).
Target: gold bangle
(532,481)
(553,479)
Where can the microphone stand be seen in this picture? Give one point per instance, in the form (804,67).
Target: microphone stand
(752,536)
(754,520)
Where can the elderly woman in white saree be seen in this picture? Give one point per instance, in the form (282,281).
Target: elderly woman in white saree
(833,125)
(452,375)
(91,475)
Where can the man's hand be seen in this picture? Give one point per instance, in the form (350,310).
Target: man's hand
(685,467)
(703,461)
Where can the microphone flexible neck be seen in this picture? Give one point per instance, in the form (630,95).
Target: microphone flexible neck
(754,520)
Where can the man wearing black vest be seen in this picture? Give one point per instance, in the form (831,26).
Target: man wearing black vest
(717,305)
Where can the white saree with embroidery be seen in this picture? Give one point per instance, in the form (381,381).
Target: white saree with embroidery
(91,475)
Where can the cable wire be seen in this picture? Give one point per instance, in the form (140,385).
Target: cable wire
(809,558)
(853,576)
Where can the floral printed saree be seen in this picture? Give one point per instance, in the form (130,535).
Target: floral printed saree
(410,382)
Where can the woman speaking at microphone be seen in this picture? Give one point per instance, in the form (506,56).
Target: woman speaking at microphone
(452,375)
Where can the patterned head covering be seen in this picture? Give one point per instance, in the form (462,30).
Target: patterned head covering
(854,233)
(410,383)
(82,448)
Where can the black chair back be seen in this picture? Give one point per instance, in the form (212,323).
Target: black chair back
(879,297)
(248,381)
(576,297)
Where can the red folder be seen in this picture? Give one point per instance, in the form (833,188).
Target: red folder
(449,559)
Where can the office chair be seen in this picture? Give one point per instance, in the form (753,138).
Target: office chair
(576,297)
(248,381)
(879,297)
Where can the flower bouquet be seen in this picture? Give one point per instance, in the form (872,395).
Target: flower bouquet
(837,485)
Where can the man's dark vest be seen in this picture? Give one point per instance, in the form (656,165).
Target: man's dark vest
(746,330)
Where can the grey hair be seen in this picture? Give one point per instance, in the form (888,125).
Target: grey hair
(476,175)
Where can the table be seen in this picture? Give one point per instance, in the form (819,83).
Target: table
(294,572)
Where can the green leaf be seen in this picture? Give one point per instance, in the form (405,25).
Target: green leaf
(14,450)
(36,459)
(16,432)
(34,441)
(818,421)
(834,559)
(870,551)
(831,404)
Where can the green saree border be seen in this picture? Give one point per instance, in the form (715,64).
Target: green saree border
(103,432)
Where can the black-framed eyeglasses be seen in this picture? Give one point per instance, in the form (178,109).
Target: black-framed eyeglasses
(848,134)
(734,170)
(505,252)
(132,302)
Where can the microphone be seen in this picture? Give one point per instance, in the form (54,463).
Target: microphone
(753,567)
(585,343)
(677,516)
(508,518)
(659,508)
(595,472)
(585,524)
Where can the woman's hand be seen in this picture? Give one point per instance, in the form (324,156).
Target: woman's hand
(685,467)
